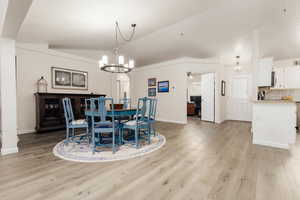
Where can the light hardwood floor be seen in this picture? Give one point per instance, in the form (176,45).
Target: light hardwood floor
(199,161)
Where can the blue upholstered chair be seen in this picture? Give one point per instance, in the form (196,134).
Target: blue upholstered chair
(100,123)
(140,123)
(71,123)
(126,103)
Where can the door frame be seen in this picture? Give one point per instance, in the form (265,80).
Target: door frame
(208,72)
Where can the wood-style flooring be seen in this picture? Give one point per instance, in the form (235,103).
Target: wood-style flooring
(199,161)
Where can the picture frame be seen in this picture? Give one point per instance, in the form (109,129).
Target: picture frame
(223,88)
(151,82)
(151,92)
(69,79)
(163,87)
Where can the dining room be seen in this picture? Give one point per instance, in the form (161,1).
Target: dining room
(95,96)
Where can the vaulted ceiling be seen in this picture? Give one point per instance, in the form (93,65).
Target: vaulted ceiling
(166,29)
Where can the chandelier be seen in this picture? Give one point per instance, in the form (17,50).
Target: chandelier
(118,64)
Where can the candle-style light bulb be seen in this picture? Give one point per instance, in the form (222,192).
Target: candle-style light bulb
(105,60)
(131,64)
(121,60)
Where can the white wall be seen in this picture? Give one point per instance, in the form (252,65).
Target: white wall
(172,105)
(34,61)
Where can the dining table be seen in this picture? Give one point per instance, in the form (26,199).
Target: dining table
(117,112)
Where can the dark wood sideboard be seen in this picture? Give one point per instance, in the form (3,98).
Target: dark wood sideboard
(50,111)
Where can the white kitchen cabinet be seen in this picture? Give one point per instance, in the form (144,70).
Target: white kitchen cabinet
(292,77)
(264,72)
(279,82)
(274,123)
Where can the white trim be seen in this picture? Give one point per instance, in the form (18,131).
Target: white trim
(171,121)
(20,132)
(9,151)
(44,49)
(181,60)
(220,122)
(271,144)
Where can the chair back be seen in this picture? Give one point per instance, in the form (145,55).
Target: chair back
(152,111)
(98,105)
(143,107)
(68,111)
(126,103)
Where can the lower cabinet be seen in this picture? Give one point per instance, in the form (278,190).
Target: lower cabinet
(50,111)
(274,123)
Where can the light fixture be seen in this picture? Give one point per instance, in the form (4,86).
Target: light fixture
(118,64)
(237,67)
(190,76)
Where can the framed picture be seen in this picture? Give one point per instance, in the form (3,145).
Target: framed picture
(69,79)
(151,82)
(151,92)
(223,88)
(163,86)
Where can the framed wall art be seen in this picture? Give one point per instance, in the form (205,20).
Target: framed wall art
(151,92)
(151,82)
(163,86)
(69,79)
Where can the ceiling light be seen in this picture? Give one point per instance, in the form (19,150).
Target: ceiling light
(237,66)
(118,64)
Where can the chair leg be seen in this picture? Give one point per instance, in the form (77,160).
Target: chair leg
(153,129)
(120,138)
(136,138)
(67,135)
(87,134)
(73,132)
(93,142)
(113,142)
(149,134)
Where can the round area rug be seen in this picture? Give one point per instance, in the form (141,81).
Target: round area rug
(81,152)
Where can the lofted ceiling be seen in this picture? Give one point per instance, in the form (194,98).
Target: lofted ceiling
(166,29)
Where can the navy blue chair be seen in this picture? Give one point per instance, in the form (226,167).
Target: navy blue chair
(100,123)
(140,123)
(71,123)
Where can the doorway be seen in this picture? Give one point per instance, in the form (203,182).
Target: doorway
(201,96)
(123,86)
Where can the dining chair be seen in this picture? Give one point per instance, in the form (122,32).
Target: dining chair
(140,123)
(126,103)
(152,115)
(100,123)
(71,123)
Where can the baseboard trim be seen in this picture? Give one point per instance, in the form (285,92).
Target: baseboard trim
(20,132)
(6,151)
(171,121)
(271,144)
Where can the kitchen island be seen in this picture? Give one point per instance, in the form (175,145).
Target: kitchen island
(274,123)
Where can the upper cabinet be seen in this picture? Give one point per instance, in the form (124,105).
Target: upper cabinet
(292,77)
(279,78)
(264,72)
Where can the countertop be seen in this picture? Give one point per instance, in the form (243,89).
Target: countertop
(274,101)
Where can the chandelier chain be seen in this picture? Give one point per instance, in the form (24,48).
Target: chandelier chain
(118,30)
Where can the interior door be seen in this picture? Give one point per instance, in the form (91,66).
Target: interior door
(239,105)
(208,97)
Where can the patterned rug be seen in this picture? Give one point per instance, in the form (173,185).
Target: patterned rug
(82,152)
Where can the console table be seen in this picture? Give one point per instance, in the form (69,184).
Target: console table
(50,111)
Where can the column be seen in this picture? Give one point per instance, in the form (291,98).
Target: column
(8,104)
(256,54)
